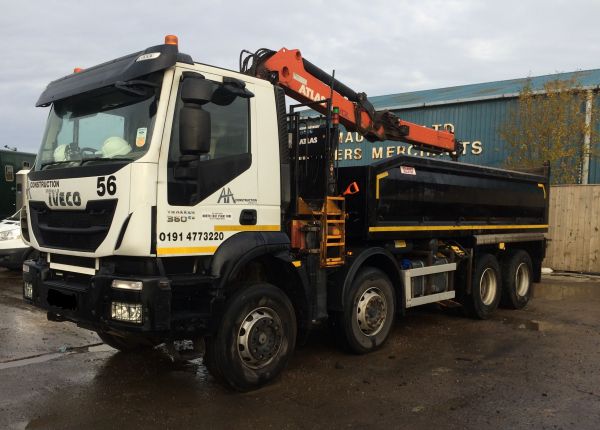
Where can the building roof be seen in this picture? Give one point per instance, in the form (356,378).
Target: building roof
(10,151)
(475,92)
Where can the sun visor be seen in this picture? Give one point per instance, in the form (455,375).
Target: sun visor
(122,69)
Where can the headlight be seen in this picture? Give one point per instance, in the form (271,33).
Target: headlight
(120,284)
(10,234)
(128,312)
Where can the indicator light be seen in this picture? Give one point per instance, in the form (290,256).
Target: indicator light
(127,285)
(77,70)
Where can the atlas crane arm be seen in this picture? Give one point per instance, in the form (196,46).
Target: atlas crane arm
(305,82)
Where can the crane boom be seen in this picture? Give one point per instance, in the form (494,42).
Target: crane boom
(305,82)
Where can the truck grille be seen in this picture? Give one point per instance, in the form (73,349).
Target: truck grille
(74,230)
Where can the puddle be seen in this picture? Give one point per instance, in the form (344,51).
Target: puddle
(195,367)
(183,358)
(440,370)
(568,287)
(101,347)
(532,325)
(62,352)
(32,360)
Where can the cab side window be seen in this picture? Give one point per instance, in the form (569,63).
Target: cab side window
(228,157)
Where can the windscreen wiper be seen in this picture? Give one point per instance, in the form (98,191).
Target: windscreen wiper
(53,163)
(85,160)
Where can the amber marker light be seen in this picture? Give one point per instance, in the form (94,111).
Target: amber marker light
(171,40)
(77,70)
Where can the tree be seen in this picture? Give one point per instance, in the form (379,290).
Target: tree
(550,125)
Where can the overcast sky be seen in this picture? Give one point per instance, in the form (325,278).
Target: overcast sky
(379,47)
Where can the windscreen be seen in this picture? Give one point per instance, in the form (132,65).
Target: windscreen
(108,124)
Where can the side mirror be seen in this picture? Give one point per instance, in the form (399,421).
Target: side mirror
(229,90)
(196,89)
(194,122)
(194,130)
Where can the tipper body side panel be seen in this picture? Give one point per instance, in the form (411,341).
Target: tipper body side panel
(418,198)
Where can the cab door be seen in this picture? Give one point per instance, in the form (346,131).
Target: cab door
(203,202)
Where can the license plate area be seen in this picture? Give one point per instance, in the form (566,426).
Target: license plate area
(62,300)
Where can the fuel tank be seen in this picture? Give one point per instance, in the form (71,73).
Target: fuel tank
(417,197)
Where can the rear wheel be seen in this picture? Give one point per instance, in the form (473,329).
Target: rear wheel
(255,338)
(485,287)
(124,342)
(517,275)
(369,309)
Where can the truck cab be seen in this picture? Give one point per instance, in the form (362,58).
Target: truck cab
(111,161)
(126,216)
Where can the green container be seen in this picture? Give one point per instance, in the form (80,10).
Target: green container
(10,163)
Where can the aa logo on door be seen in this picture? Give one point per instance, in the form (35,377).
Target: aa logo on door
(226,196)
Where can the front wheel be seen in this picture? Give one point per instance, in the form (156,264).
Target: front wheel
(255,338)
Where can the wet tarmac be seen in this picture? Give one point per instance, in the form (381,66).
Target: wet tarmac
(536,368)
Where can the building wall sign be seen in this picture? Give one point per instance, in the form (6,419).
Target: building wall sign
(353,146)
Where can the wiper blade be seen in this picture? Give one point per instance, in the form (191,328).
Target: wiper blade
(53,163)
(85,160)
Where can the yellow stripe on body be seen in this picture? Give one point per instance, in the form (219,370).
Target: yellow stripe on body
(247,228)
(212,249)
(379,178)
(455,227)
(543,187)
(186,250)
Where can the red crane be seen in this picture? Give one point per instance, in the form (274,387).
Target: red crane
(305,82)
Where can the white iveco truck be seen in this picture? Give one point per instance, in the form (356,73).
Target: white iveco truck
(174,200)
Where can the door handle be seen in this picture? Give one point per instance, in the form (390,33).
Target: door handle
(248,217)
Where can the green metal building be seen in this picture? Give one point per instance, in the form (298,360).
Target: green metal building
(475,113)
(10,163)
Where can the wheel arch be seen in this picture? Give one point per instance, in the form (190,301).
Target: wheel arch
(263,257)
(233,254)
(377,257)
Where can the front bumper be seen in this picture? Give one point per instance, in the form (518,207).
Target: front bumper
(87,300)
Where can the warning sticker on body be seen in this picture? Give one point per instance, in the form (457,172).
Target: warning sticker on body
(407,170)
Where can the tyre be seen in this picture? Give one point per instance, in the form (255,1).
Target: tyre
(369,310)
(517,275)
(254,340)
(124,342)
(485,287)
